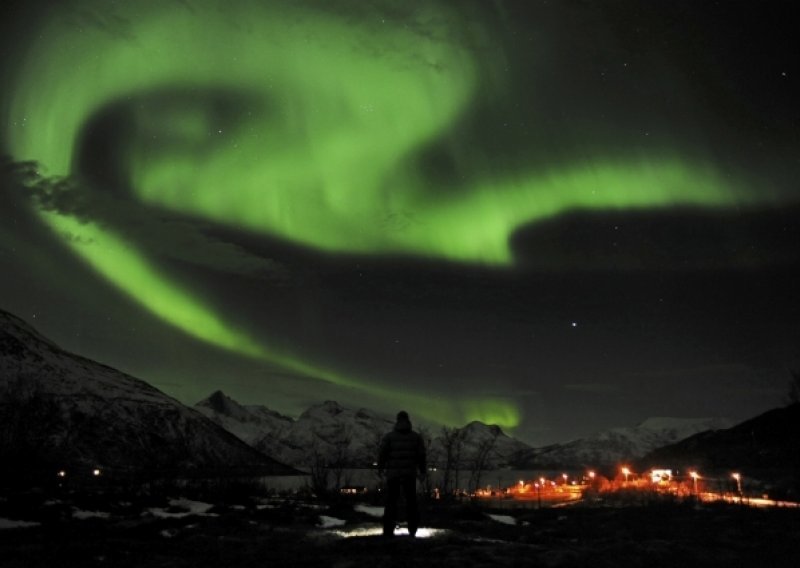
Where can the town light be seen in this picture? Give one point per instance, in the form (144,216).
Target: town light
(660,475)
(564,475)
(96,472)
(591,475)
(61,473)
(626,472)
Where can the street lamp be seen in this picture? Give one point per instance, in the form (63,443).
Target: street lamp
(564,475)
(539,494)
(626,472)
(738,478)
(695,477)
(590,479)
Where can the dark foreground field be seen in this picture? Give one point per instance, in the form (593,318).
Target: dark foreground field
(288,533)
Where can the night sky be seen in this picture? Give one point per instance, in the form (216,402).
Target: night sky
(555,216)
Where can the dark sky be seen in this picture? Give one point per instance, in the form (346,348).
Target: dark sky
(558,216)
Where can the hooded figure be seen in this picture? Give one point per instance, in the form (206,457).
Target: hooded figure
(402,455)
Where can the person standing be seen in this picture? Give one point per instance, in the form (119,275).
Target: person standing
(401,457)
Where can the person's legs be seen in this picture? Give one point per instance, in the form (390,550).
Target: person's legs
(410,494)
(390,510)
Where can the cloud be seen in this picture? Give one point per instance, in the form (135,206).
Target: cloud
(156,232)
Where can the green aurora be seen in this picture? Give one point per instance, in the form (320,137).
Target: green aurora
(321,152)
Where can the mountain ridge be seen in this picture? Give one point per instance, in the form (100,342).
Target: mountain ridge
(618,445)
(61,410)
(328,425)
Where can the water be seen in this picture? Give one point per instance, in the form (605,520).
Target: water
(490,479)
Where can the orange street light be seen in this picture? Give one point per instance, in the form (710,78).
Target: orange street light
(626,472)
(564,475)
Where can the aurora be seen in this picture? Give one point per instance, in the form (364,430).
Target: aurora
(298,125)
(323,153)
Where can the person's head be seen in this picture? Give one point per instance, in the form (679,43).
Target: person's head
(402,416)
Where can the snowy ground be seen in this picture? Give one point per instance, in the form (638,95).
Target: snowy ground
(184,532)
(15,524)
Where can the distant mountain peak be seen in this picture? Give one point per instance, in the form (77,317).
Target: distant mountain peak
(332,406)
(218,401)
(477,425)
(621,444)
(324,409)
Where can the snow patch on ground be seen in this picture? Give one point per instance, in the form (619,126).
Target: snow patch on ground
(329,522)
(12,524)
(504,519)
(191,508)
(370,510)
(79,514)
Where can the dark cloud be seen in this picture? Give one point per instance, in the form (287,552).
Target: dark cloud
(156,232)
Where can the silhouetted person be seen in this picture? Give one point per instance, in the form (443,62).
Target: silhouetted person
(402,455)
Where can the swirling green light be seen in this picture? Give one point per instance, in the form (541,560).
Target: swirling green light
(324,159)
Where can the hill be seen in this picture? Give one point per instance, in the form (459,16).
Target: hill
(59,410)
(766,447)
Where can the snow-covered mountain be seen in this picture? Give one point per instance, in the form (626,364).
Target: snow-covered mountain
(326,429)
(247,422)
(339,433)
(479,438)
(57,408)
(617,445)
